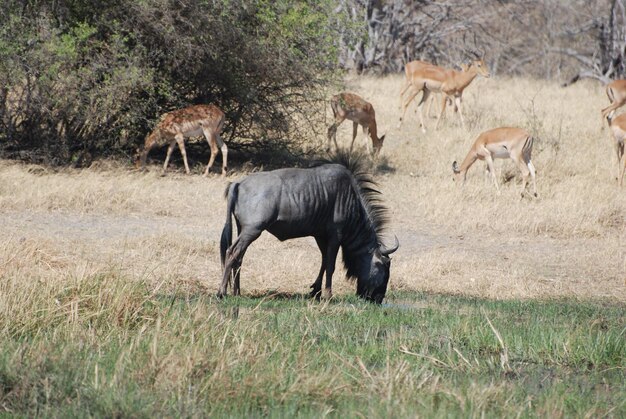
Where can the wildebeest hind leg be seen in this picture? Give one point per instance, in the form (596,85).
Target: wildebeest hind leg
(237,266)
(237,276)
(234,256)
(317,285)
(331,258)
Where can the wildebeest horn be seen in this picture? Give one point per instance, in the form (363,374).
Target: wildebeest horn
(387,251)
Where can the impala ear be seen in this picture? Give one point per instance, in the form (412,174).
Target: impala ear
(455,167)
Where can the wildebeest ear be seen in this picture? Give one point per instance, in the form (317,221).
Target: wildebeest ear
(387,251)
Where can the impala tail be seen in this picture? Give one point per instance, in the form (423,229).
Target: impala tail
(527,149)
(226,240)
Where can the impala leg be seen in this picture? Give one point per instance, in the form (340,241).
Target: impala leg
(436,103)
(430,105)
(366,132)
(170,148)
(459,105)
(531,169)
(224,150)
(355,126)
(213,146)
(404,89)
(609,111)
(181,145)
(525,169)
(487,176)
(619,150)
(406,105)
(489,161)
(621,173)
(421,108)
(444,101)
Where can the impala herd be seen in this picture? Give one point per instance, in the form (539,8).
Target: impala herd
(499,143)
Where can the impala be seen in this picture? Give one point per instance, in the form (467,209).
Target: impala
(409,69)
(414,66)
(175,126)
(356,109)
(618,127)
(451,83)
(501,143)
(616,91)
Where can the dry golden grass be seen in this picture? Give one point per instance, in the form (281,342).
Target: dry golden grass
(64,225)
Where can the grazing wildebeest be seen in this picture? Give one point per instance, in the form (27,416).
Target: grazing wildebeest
(336,202)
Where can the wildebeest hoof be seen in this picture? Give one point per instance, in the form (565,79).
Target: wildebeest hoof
(315,292)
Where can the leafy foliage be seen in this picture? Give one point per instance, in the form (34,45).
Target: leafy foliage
(80,78)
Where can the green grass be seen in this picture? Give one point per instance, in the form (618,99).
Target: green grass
(103,346)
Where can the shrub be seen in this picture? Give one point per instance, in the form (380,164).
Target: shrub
(80,78)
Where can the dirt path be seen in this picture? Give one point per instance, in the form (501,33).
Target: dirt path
(429,258)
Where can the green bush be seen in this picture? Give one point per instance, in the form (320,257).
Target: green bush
(82,78)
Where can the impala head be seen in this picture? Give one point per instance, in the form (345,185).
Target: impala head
(141,154)
(481,67)
(378,144)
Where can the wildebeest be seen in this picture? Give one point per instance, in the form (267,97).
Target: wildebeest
(336,202)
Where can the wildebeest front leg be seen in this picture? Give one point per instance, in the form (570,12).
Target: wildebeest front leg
(317,285)
(331,258)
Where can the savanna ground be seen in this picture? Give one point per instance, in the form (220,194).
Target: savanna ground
(497,305)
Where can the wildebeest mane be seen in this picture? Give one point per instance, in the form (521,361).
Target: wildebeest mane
(370,197)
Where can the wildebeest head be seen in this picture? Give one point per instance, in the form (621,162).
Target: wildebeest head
(372,282)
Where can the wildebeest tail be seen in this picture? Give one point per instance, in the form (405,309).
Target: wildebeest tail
(227,233)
